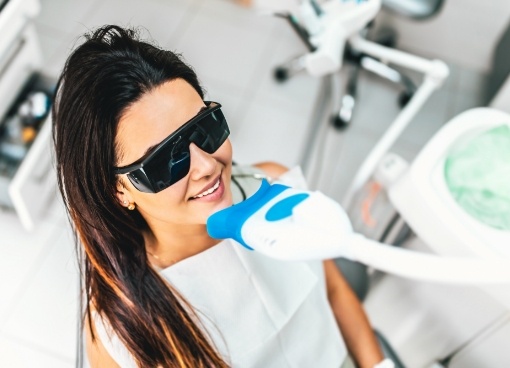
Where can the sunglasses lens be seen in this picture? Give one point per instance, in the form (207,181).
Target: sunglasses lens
(178,167)
(171,163)
(210,132)
(168,167)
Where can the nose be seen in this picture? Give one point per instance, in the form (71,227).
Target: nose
(202,164)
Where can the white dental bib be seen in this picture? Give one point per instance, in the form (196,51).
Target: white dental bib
(261,312)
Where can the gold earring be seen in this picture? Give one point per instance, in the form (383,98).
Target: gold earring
(131,206)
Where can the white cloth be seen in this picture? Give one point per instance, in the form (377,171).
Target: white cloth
(259,312)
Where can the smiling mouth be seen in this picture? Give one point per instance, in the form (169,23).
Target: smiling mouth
(208,191)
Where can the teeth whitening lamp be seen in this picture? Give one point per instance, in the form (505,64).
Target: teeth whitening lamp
(292,224)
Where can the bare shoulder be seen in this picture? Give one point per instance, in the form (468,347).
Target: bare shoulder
(272,169)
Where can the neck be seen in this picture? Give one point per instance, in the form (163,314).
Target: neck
(171,244)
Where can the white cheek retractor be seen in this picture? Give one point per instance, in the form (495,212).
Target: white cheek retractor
(292,224)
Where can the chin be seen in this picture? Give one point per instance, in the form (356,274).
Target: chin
(225,202)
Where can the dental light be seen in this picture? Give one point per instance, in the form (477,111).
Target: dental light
(291,224)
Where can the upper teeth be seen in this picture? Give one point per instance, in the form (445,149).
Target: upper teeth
(209,191)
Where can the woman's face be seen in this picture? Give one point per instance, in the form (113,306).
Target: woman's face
(148,122)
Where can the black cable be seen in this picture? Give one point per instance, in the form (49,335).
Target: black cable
(243,193)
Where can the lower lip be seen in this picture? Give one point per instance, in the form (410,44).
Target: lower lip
(214,196)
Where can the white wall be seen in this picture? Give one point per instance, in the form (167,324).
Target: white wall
(465,32)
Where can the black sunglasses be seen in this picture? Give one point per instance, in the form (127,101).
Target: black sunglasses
(169,161)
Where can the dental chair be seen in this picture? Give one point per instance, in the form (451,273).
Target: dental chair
(415,9)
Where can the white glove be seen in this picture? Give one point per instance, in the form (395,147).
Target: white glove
(386,363)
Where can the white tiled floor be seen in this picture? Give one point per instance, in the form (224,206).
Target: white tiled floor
(234,52)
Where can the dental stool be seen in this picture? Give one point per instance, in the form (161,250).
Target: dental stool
(341,118)
(414,9)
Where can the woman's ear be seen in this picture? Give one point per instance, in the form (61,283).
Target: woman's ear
(122,194)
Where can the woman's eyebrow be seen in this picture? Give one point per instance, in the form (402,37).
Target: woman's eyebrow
(154,146)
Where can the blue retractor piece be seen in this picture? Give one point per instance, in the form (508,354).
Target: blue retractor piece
(227,223)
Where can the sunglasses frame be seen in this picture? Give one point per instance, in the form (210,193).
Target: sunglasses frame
(139,164)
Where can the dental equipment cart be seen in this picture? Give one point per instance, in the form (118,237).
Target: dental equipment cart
(27,181)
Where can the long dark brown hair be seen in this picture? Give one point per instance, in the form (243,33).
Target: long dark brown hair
(112,69)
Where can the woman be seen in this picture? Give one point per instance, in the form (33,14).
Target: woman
(142,162)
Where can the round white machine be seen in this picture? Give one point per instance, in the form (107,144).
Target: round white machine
(422,196)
